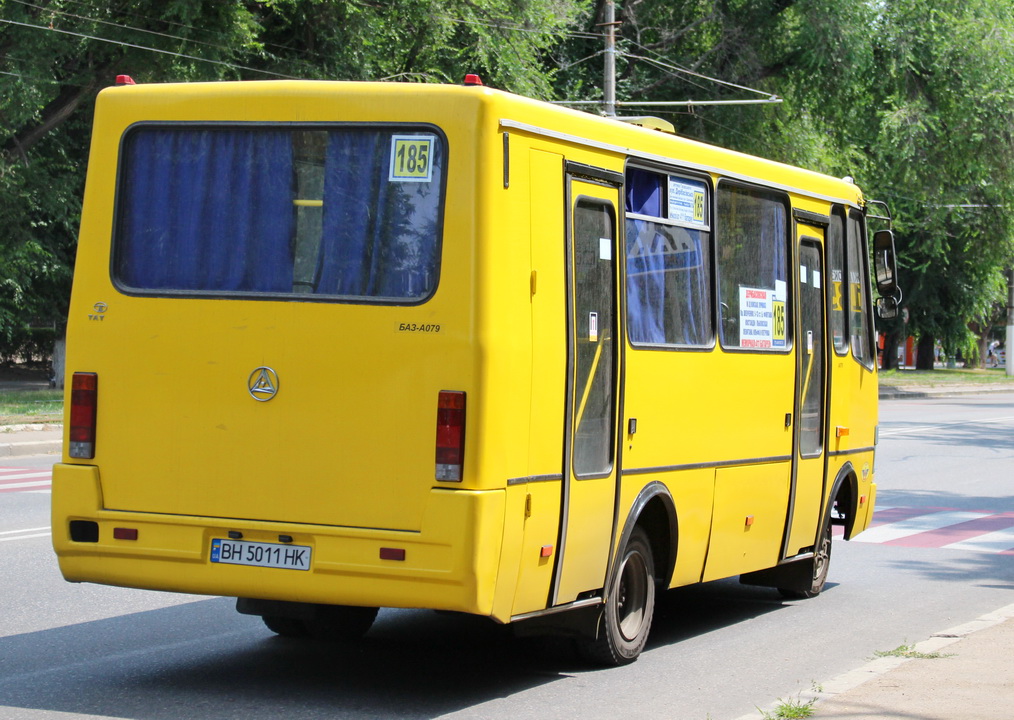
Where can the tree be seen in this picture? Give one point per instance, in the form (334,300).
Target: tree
(55,55)
(945,102)
(815,55)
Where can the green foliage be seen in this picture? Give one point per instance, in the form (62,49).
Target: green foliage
(55,55)
(946,156)
(913,98)
(52,63)
(792,709)
(425,40)
(30,406)
(909,651)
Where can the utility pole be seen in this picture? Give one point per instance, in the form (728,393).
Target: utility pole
(610,70)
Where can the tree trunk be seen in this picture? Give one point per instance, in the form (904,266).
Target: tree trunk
(889,357)
(59,361)
(924,359)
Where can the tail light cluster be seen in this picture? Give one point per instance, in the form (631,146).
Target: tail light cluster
(84,395)
(450,435)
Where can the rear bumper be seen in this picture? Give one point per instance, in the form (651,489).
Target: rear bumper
(450,564)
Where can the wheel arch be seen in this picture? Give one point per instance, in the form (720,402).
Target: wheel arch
(845,492)
(654,510)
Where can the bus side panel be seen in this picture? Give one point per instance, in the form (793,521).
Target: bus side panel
(540,505)
(709,408)
(749,519)
(854,408)
(693,493)
(544,183)
(702,407)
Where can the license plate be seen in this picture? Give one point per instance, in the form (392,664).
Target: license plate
(243,552)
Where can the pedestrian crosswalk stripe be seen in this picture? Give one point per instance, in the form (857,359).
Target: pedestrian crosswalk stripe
(914,525)
(944,528)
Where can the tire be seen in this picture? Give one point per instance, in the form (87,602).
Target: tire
(342,623)
(821,562)
(629,608)
(286,626)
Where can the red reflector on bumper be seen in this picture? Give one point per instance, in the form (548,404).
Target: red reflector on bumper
(125,533)
(392,553)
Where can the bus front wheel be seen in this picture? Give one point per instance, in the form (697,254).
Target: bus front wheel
(821,562)
(629,607)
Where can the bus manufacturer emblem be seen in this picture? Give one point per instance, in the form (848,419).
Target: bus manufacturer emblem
(262,384)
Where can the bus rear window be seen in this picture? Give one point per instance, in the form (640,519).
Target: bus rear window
(345,213)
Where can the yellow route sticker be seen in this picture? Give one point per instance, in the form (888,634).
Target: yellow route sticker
(411,159)
(778,325)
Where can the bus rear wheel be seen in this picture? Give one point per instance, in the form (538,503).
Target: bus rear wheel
(630,605)
(342,623)
(286,626)
(337,623)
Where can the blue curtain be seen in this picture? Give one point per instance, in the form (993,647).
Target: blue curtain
(645,269)
(668,281)
(207,210)
(696,320)
(379,236)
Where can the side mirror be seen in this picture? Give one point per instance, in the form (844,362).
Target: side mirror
(887,307)
(885,264)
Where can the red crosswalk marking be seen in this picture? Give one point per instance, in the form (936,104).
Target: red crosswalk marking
(25,479)
(939,527)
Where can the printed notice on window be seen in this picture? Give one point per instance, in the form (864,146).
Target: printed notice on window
(411,158)
(687,202)
(761,318)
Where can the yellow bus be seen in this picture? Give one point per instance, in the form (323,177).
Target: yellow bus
(337,346)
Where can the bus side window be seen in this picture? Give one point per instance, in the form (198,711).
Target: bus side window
(859,292)
(668,277)
(837,288)
(752,268)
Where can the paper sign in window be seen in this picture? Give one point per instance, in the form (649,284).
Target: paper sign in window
(688,202)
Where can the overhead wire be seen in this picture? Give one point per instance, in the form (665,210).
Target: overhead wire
(110,23)
(668,67)
(121,43)
(131,28)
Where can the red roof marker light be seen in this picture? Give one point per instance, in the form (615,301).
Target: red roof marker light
(124,80)
(472,79)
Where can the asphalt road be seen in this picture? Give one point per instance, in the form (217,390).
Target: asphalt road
(939,556)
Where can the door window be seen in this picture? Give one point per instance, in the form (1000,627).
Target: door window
(594,337)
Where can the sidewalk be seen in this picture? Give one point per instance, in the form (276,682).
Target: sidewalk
(972,679)
(19,440)
(896,392)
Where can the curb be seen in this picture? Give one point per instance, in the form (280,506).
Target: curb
(891,392)
(14,442)
(41,447)
(875,668)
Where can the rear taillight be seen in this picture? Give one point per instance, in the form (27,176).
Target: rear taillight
(450,435)
(84,395)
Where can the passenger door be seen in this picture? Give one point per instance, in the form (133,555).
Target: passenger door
(807,487)
(592,400)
